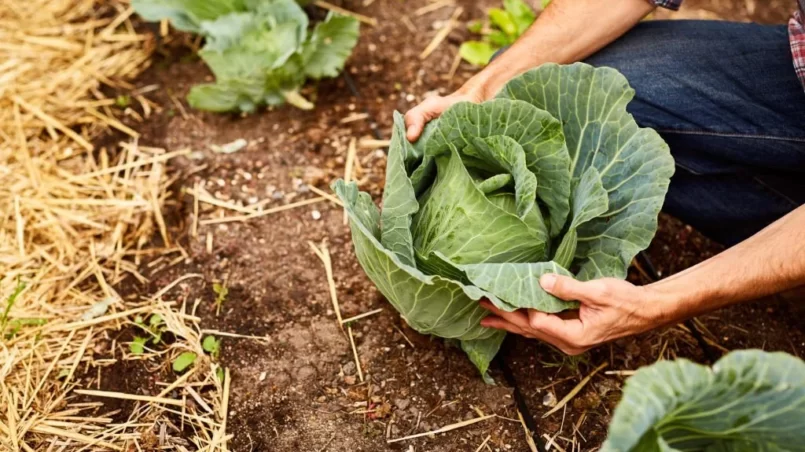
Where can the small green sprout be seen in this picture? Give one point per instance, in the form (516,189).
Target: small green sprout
(154,328)
(183,361)
(211,345)
(221,292)
(123,101)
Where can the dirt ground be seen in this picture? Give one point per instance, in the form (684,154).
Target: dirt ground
(299,390)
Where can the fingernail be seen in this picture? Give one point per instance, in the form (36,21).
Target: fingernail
(548,281)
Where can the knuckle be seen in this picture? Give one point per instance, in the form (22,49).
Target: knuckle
(602,289)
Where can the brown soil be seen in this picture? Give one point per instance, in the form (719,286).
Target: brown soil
(300,391)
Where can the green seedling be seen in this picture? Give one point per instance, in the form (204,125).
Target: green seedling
(123,101)
(211,345)
(183,361)
(154,328)
(221,292)
(15,324)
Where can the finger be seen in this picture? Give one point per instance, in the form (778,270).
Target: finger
(497,323)
(414,122)
(565,330)
(501,324)
(518,318)
(565,287)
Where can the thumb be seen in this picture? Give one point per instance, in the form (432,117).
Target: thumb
(563,287)
(414,121)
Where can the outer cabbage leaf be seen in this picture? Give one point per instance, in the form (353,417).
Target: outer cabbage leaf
(279,11)
(399,199)
(482,351)
(749,401)
(225,96)
(225,31)
(634,164)
(516,286)
(330,45)
(430,304)
(185,15)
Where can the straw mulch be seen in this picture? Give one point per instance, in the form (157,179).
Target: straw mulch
(75,222)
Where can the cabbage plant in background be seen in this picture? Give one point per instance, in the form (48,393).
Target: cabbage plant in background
(553,175)
(749,401)
(260,51)
(500,29)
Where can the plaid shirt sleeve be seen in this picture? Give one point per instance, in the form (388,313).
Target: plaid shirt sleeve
(670,4)
(796,29)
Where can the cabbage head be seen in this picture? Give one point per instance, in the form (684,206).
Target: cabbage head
(551,176)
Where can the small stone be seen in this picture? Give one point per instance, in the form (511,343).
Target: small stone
(262,376)
(316,215)
(278,195)
(349,368)
(549,400)
(402,404)
(349,379)
(410,97)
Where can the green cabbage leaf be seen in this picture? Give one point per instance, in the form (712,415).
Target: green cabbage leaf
(552,176)
(750,400)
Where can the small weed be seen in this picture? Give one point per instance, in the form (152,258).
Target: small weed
(123,101)
(16,324)
(183,361)
(211,345)
(221,292)
(571,362)
(154,328)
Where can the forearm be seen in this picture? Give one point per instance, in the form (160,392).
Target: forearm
(770,262)
(566,32)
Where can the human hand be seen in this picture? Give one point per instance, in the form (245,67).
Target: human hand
(430,109)
(610,309)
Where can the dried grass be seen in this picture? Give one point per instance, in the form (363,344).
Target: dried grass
(75,220)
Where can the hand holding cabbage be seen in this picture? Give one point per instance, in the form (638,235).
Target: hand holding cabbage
(551,176)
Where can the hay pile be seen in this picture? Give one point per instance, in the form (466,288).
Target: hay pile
(75,220)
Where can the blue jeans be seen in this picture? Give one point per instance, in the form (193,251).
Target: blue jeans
(724,96)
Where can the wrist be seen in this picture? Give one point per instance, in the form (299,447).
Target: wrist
(476,88)
(486,84)
(669,304)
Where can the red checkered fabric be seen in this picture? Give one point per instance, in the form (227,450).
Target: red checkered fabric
(796,31)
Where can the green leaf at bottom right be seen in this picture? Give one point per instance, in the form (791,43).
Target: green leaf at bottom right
(750,400)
